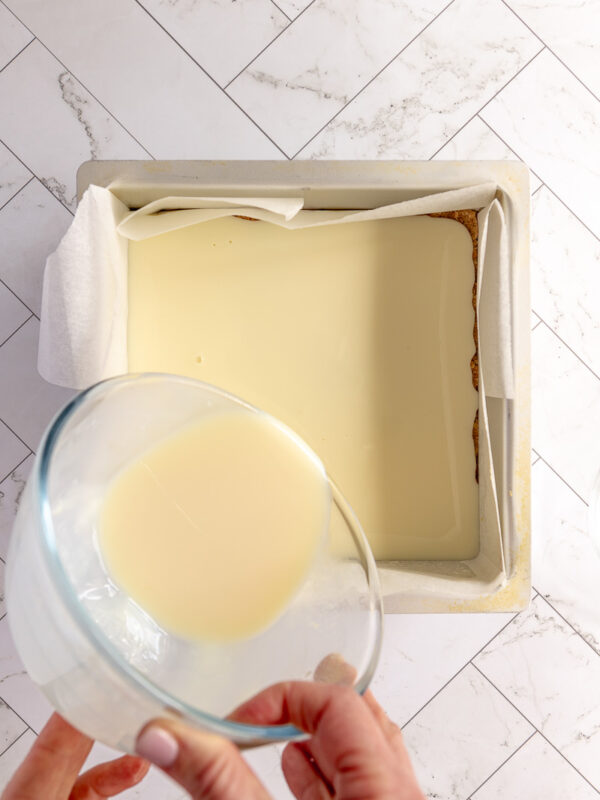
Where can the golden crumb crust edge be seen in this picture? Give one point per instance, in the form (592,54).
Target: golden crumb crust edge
(468,218)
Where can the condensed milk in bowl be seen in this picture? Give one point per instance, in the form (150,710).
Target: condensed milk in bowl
(175,552)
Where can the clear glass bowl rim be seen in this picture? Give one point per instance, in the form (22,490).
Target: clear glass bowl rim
(94,637)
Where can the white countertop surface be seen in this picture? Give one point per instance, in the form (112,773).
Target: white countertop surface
(493,706)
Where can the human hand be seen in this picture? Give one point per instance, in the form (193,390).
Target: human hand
(354,752)
(50,770)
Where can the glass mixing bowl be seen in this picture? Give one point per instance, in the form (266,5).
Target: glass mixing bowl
(107,666)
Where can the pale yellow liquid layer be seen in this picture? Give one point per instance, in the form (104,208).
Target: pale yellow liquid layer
(358,336)
(213,531)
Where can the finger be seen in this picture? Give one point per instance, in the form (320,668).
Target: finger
(333,669)
(299,702)
(304,778)
(264,707)
(110,778)
(393,735)
(348,743)
(335,716)
(207,766)
(387,726)
(52,765)
(391,731)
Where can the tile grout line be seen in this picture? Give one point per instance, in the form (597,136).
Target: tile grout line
(570,624)
(48,189)
(35,175)
(499,767)
(369,82)
(8,705)
(570,210)
(16,330)
(539,322)
(20,189)
(16,467)
(210,77)
(560,200)
(457,673)
(6,749)
(476,114)
(260,52)
(6,286)
(8,63)
(31,452)
(558,475)
(578,357)
(537,729)
(550,50)
(504,142)
(64,66)
(433,696)
(273,3)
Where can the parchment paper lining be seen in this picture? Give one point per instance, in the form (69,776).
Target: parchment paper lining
(83,334)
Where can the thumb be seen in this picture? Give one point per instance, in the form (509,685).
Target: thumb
(209,767)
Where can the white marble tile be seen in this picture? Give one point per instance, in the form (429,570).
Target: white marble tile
(324,59)
(13,36)
(75,127)
(31,226)
(144,79)
(477,142)
(155,784)
(467,731)
(223,37)
(535,320)
(293,7)
(11,490)
(11,727)
(546,669)
(536,771)
(553,123)
(566,561)
(12,452)
(421,652)
(32,402)
(433,88)
(2,598)
(13,175)
(565,276)
(571,28)
(565,411)
(11,759)
(17,688)
(12,313)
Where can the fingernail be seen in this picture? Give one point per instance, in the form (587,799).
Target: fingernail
(158,746)
(333,669)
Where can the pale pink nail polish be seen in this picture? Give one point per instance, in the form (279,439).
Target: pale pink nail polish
(158,746)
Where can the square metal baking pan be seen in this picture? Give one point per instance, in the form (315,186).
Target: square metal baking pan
(366,184)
